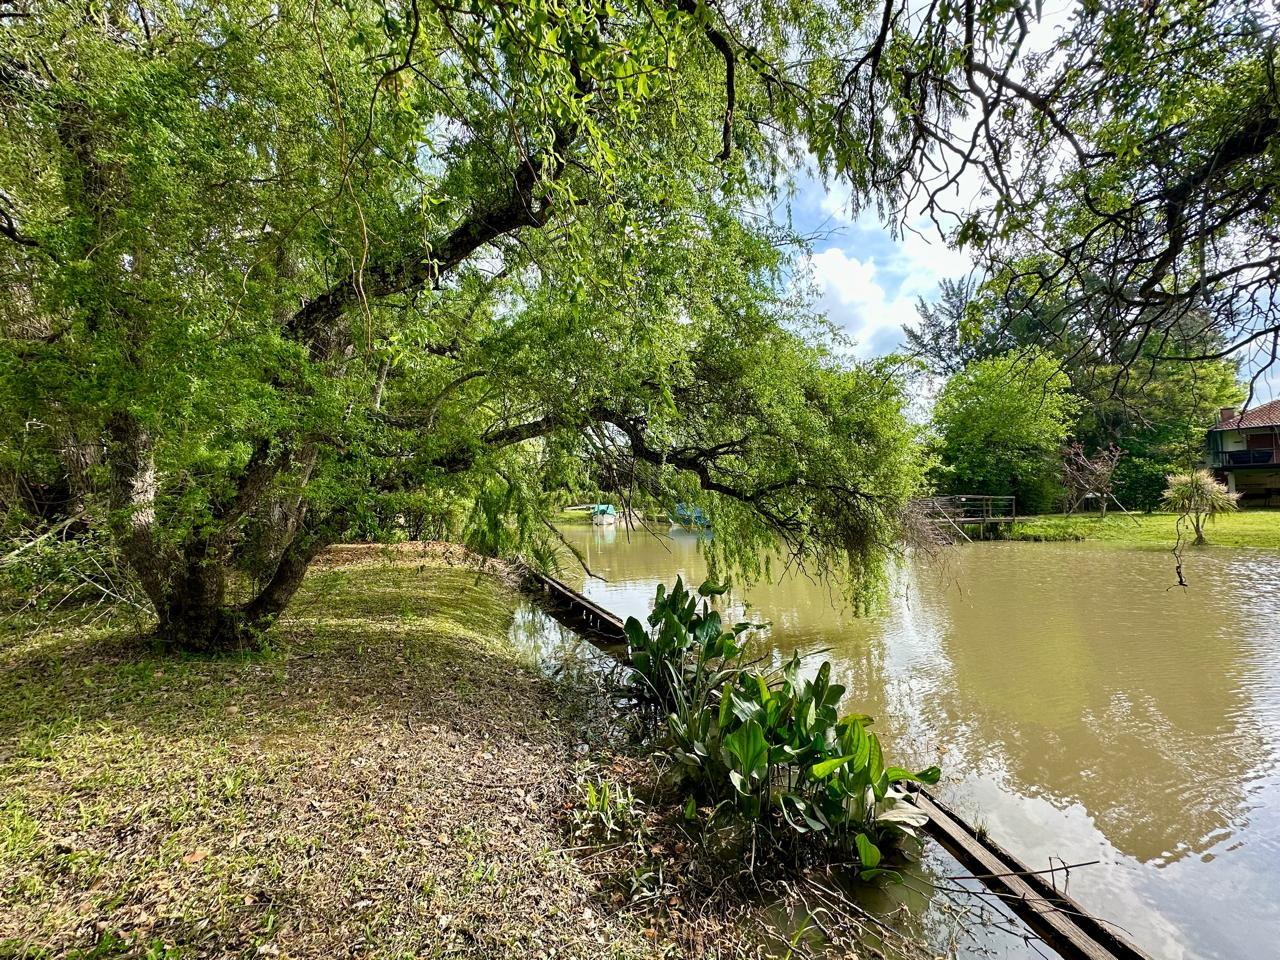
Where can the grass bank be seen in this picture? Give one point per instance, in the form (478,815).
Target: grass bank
(1247,528)
(389,780)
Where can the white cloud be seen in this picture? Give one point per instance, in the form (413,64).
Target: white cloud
(854,298)
(924,259)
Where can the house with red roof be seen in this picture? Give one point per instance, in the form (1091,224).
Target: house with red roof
(1244,453)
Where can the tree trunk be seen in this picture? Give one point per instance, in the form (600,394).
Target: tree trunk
(132,499)
(195,614)
(263,610)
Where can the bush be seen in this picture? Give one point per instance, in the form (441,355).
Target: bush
(768,748)
(1198,499)
(67,571)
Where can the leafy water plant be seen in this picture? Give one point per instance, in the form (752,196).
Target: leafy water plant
(685,653)
(769,748)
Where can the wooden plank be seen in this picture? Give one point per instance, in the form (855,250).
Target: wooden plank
(589,617)
(1059,920)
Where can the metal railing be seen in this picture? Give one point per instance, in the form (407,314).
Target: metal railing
(970,509)
(1243,458)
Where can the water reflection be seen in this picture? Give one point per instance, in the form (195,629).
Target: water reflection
(1082,705)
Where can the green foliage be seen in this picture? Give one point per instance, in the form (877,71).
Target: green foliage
(281,274)
(1198,499)
(1140,482)
(676,658)
(1000,426)
(769,749)
(1152,221)
(1155,410)
(607,812)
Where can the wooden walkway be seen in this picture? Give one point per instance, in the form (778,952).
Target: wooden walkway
(969,509)
(1054,916)
(578,613)
(955,518)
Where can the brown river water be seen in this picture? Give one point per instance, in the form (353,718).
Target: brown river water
(1081,705)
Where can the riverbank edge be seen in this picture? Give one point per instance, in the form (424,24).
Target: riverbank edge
(390,777)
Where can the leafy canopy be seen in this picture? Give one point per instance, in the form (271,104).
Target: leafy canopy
(278,266)
(1001,424)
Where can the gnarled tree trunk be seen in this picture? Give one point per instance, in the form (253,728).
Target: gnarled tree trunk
(188,584)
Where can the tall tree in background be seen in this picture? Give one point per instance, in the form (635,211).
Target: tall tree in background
(1000,427)
(1146,204)
(957,329)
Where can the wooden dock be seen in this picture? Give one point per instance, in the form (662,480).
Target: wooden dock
(958,517)
(1055,917)
(578,613)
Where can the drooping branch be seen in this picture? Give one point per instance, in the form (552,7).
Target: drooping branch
(698,11)
(699,462)
(9,227)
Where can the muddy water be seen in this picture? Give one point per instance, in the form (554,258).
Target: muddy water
(1082,707)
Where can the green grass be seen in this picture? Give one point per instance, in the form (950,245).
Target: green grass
(1247,528)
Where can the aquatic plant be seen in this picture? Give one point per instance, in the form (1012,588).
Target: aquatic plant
(685,654)
(769,748)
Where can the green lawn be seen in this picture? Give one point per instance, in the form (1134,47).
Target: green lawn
(1249,528)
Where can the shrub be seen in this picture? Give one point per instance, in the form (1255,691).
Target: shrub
(1140,483)
(769,748)
(1198,498)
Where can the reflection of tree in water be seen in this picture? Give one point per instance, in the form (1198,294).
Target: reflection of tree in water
(1071,670)
(1085,707)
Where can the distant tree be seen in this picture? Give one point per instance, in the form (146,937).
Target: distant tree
(1198,499)
(957,329)
(1154,409)
(1089,476)
(937,337)
(1000,427)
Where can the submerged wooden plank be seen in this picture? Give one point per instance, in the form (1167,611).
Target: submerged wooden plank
(1057,918)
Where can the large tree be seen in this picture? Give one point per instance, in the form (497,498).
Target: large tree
(267,261)
(1140,192)
(1000,427)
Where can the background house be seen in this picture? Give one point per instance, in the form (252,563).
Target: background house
(1244,453)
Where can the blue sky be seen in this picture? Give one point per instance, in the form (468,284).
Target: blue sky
(869,280)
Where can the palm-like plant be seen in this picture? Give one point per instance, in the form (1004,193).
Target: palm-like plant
(1197,498)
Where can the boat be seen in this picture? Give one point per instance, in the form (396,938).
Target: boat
(603,514)
(689,517)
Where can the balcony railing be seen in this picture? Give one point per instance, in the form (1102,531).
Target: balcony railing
(1242,458)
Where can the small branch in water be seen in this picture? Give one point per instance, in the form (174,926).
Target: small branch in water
(1023,873)
(577,554)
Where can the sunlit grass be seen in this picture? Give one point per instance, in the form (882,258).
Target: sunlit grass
(1247,528)
(351,784)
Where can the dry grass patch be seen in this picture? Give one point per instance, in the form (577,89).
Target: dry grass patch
(388,780)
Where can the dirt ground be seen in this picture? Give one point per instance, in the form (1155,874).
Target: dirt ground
(389,779)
